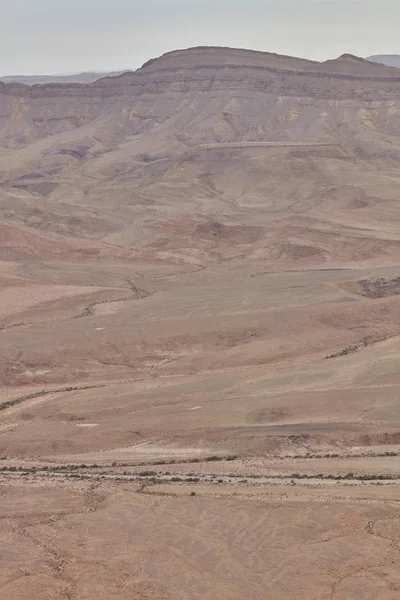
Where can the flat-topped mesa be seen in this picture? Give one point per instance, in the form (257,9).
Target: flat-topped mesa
(197,128)
(194,66)
(237,95)
(234,64)
(207,56)
(221,56)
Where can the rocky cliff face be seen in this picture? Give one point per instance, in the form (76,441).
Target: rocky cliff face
(237,95)
(201,136)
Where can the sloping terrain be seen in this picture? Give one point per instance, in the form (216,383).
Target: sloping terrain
(199,280)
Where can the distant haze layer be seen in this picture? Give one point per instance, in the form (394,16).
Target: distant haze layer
(390,60)
(87,77)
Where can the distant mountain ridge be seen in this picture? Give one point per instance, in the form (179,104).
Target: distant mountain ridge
(85,77)
(339,64)
(199,145)
(390,60)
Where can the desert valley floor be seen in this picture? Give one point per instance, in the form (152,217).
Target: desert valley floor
(206,432)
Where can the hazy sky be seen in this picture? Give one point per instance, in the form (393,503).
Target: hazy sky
(59,36)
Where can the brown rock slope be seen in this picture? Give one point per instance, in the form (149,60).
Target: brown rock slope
(231,136)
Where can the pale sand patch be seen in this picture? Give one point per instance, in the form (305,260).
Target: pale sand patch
(87,425)
(107,308)
(8,427)
(35,373)
(143,452)
(18,298)
(153,450)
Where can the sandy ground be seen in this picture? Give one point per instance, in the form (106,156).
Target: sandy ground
(196,442)
(84,541)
